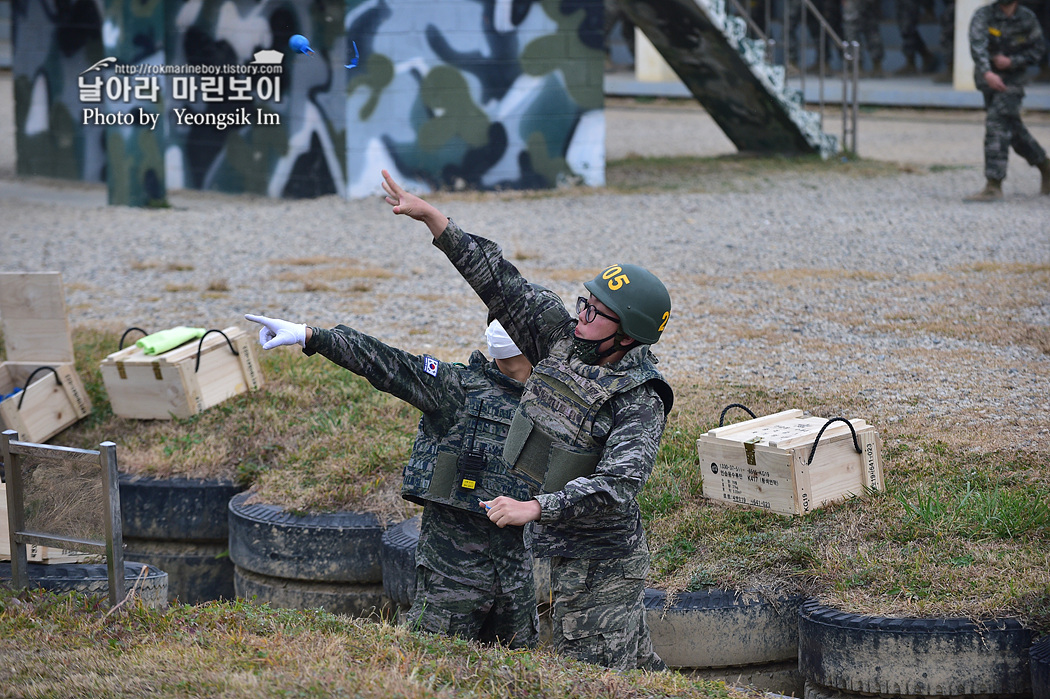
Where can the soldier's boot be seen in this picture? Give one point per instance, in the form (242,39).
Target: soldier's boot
(1044,171)
(909,68)
(993,191)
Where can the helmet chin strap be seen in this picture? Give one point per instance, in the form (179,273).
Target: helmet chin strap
(588,352)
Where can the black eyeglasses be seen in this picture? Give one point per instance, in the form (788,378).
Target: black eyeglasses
(588,311)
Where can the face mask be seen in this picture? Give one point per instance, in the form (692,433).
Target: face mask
(587,350)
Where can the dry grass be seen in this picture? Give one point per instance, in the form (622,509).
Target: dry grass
(960,529)
(739,172)
(64,645)
(64,498)
(957,532)
(218,285)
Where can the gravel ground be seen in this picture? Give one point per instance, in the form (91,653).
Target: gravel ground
(887,291)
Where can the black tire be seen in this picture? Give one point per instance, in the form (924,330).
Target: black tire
(181,525)
(175,509)
(399,561)
(197,572)
(815,691)
(326,547)
(913,657)
(716,628)
(93,579)
(1039,655)
(780,680)
(338,598)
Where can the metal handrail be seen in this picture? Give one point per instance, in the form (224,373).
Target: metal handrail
(850,51)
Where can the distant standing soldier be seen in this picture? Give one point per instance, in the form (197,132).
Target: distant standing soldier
(473,579)
(831,10)
(946,21)
(860,22)
(1005,39)
(912,44)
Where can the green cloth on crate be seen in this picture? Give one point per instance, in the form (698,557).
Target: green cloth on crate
(159,343)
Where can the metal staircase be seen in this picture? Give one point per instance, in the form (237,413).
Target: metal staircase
(723,58)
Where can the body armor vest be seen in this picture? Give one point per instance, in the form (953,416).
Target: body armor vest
(551,439)
(465,464)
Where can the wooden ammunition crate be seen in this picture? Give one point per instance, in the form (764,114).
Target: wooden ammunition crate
(39,351)
(765,462)
(34,553)
(183,381)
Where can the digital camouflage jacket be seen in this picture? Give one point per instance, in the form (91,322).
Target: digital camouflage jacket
(1018,37)
(463,406)
(593,516)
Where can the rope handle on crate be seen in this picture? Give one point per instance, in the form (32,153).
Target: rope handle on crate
(30,380)
(722,417)
(856,444)
(122,337)
(201,344)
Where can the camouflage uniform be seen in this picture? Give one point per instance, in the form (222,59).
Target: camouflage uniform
(1020,38)
(860,22)
(912,44)
(591,527)
(831,10)
(474,579)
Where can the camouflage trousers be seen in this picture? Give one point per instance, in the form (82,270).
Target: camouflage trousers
(908,24)
(1003,129)
(860,23)
(946,22)
(599,615)
(444,606)
(831,11)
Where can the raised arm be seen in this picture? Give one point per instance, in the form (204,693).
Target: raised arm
(531,318)
(405,204)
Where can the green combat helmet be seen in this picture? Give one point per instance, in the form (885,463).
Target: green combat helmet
(635,295)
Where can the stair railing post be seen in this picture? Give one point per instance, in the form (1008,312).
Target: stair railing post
(856,97)
(850,99)
(768,29)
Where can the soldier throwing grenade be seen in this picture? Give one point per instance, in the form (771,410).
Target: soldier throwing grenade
(585,434)
(1005,39)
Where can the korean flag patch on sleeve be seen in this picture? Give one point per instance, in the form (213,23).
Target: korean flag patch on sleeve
(430,365)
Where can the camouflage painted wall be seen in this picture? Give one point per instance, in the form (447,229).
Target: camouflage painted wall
(53,41)
(300,152)
(458,94)
(481,94)
(134,35)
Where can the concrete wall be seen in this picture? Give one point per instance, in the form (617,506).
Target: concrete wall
(450,94)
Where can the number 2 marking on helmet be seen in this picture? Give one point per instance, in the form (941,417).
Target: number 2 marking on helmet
(667,314)
(615,279)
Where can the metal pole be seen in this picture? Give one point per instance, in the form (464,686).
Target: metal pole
(15,511)
(113,526)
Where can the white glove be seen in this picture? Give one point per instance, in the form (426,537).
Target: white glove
(275,333)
